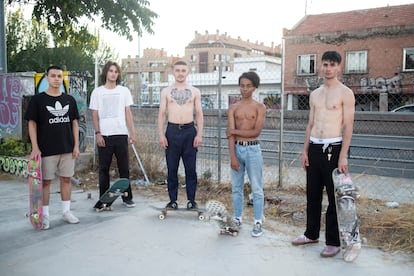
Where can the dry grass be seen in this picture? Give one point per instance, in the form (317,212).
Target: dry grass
(389,229)
(382,227)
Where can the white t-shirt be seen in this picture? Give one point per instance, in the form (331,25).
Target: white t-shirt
(111,104)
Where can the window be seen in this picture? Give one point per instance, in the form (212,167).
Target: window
(306,65)
(408,59)
(356,62)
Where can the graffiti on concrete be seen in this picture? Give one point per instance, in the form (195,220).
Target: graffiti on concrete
(381,85)
(13,165)
(10,100)
(77,90)
(313,82)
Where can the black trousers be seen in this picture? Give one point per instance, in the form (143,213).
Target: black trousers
(118,145)
(318,177)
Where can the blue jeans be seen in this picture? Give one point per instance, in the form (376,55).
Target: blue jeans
(250,160)
(180,146)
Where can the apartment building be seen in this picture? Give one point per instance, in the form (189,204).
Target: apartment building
(216,61)
(377,49)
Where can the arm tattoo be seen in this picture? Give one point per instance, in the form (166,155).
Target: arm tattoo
(181,96)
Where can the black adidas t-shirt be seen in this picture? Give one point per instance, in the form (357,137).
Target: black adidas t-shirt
(53,116)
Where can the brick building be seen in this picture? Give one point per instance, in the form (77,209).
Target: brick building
(377,49)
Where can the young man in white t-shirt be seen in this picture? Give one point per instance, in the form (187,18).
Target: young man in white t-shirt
(114,127)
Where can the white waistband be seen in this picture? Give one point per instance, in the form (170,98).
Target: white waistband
(325,140)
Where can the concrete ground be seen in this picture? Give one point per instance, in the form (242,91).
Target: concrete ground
(135,242)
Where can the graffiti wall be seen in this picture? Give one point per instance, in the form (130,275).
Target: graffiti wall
(13,165)
(12,88)
(15,86)
(77,88)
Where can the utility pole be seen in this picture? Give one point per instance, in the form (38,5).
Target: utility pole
(3,52)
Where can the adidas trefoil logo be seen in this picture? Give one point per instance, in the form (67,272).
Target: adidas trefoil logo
(59,112)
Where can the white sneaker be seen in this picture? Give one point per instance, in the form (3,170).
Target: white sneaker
(70,218)
(45,222)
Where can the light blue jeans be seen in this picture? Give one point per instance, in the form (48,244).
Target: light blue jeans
(251,161)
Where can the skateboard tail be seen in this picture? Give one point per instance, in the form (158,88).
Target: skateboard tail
(351,252)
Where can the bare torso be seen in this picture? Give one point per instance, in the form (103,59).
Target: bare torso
(327,112)
(245,117)
(180,104)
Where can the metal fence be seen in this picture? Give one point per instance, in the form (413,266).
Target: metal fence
(381,156)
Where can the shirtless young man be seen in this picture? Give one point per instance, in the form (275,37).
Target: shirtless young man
(327,140)
(245,123)
(179,102)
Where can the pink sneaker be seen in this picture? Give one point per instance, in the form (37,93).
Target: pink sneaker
(330,251)
(302,239)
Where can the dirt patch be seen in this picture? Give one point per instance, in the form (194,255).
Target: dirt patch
(389,229)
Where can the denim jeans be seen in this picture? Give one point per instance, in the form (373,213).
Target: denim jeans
(118,145)
(250,160)
(180,146)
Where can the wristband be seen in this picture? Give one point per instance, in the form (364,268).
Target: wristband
(97,132)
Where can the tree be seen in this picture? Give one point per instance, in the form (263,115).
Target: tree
(122,17)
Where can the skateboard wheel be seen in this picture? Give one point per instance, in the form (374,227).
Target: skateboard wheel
(235,234)
(36,216)
(161,216)
(125,194)
(201,217)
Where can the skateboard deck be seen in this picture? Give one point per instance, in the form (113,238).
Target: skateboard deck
(164,211)
(348,224)
(34,179)
(218,212)
(117,189)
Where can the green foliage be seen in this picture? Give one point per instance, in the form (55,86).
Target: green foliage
(207,174)
(272,101)
(120,16)
(13,147)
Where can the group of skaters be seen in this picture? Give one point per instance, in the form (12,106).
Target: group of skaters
(180,132)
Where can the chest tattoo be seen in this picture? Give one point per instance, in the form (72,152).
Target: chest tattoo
(181,96)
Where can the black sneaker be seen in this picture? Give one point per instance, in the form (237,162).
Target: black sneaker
(129,203)
(192,205)
(171,205)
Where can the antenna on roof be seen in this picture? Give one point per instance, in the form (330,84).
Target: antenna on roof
(306,6)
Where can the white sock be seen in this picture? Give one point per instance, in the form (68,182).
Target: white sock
(257,221)
(65,206)
(45,210)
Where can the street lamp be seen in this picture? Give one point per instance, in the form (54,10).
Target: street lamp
(219,128)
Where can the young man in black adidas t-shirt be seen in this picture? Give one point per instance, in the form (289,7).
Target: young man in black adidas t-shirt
(54,134)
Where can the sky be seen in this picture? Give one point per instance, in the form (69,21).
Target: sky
(258,20)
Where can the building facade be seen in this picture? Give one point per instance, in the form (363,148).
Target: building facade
(377,49)
(216,61)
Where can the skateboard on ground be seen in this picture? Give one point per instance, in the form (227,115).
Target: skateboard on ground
(348,224)
(117,189)
(218,212)
(165,210)
(34,179)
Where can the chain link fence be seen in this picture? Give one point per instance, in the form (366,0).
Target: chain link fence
(381,156)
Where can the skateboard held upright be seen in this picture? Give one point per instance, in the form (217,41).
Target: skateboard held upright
(34,179)
(218,212)
(348,224)
(117,189)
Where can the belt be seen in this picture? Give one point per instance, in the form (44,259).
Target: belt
(181,126)
(247,143)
